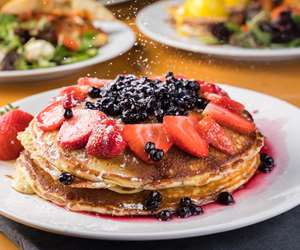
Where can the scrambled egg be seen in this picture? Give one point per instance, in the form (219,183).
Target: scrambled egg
(205,8)
(209,9)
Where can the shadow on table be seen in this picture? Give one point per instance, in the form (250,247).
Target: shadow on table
(282,232)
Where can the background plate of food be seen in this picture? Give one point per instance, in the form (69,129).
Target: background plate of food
(248,30)
(77,181)
(40,41)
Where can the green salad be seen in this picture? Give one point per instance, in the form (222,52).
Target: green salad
(45,40)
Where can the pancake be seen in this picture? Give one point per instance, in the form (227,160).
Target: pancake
(108,202)
(176,170)
(120,172)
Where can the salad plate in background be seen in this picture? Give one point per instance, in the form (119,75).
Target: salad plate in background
(40,43)
(156,22)
(117,31)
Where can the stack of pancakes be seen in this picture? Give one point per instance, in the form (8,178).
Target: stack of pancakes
(119,186)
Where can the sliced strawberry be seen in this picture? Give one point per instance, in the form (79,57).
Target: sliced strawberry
(92,82)
(75,92)
(229,119)
(225,102)
(184,134)
(137,135)
(10,124)
(106,141)
(211,88)
(215,135)
(75,132)
(51,117)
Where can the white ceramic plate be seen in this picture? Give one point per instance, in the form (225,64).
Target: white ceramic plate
(154,22)
(266,197)
(121,39)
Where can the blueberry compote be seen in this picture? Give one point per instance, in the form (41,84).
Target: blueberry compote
(137,100)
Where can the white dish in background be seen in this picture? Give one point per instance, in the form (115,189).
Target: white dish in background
(269,196)
(154,22)
(120,39)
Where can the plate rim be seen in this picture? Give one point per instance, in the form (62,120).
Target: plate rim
(183,233)
(10,74)
(225,51)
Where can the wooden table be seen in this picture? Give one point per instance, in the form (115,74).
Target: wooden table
(280,79)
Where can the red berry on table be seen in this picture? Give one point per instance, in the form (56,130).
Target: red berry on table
(184,134)
(51,117)
(138,135)
(11,124)
(106,140)
(215,135)
(229,119)
(75,132)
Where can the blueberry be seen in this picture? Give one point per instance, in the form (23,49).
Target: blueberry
(196,210)
(164,215)
(66,178)
(68,114)
(159,114)
(183,212)
(153,200)
(201,103)
(193,85)
(90,105)
(185,202)
(263,167)
(94,92)
(225,198)
(169,76)
(149,146)
(266,159)
(155,195)
(158,155)
(129,117)
(152,152)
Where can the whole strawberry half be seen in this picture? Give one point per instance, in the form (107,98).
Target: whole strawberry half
(11,124)
(106,141)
